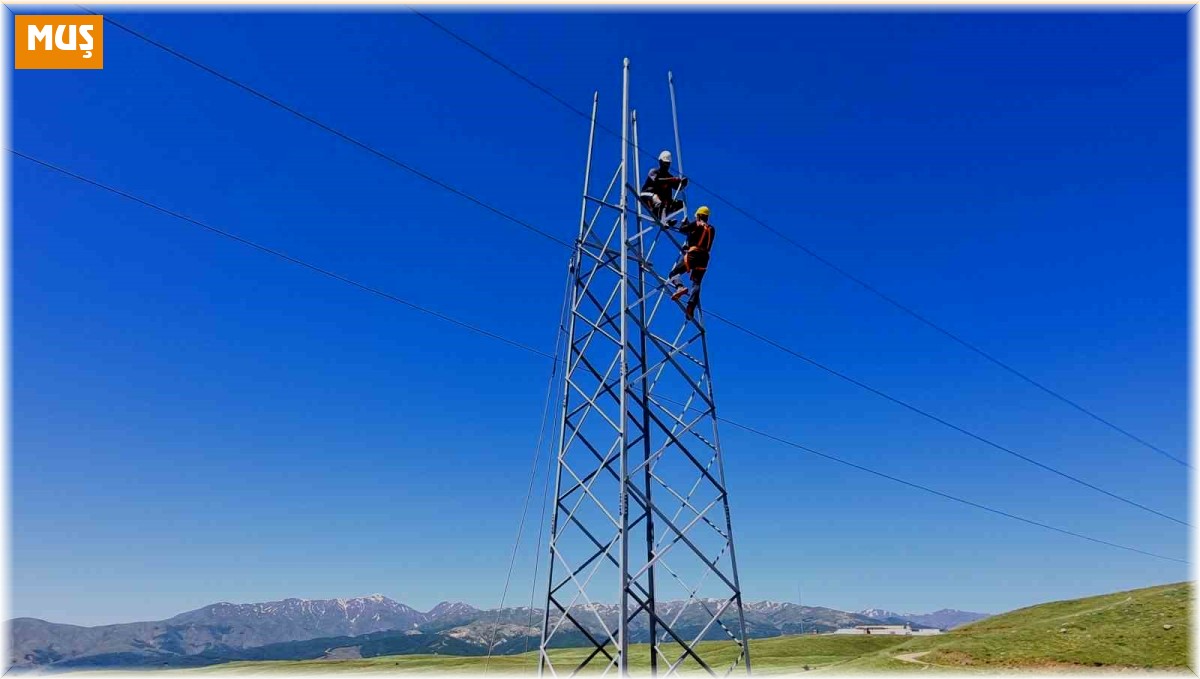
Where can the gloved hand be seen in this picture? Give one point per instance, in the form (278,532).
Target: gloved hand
(683,182)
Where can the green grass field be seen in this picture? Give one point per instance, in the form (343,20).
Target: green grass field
(781,654)
(1139,629)
(1142,628)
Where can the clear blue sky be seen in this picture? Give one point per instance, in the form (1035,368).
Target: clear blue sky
(194,421)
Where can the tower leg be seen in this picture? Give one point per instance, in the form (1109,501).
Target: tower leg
(623,657)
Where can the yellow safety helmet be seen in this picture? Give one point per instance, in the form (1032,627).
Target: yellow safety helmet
(703,211)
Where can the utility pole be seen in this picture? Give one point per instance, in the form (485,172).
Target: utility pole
(800,603)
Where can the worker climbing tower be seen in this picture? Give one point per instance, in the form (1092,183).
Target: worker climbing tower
(641,542)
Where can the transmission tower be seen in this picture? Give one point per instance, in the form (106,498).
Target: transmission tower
(641,509)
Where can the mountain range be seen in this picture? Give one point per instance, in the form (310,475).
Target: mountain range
(299,629)
(946,618)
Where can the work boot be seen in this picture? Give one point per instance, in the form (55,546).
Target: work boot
(679,292)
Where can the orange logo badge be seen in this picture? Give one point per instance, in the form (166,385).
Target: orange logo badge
(58,41)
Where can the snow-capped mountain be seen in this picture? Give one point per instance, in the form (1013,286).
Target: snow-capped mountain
(451,614)
(879,613)
(947,618)
(292,619)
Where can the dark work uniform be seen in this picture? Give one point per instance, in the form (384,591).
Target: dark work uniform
(658,182)
(656,191)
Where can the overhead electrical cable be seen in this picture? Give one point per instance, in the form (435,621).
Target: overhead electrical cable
(946,423)
(550,465)
(283,255)
(527,348)
(948,496)
(338,133)
(533,229)
(533,474)
(816,255)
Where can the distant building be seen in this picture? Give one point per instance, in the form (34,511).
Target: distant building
(901,630)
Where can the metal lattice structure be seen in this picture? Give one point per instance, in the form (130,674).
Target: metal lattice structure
(641,510)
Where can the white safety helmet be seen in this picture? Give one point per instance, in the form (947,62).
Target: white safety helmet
(664,157)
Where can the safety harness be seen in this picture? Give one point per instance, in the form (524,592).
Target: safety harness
(703,244)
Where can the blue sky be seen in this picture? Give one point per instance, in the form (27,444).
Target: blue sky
(194,421)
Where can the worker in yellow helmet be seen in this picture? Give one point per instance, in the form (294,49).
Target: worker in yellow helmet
(700,234)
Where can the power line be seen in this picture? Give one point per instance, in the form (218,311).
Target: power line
(282,255)
(913,313)
(527,348)
(814,254)
(337,133)
(534,229)
(533,473)
(537,561)
(512,71)
(927,489)
(550,461)
(946,423)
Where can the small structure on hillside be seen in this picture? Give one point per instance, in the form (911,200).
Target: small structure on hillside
(901,630)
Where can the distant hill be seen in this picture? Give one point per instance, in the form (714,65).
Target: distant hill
(1141,628)
(947,618)
(358,627)
(214,631)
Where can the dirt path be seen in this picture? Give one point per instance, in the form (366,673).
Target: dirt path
(913,658)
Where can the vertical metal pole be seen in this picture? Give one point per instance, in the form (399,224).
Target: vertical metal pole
(623,626)
(587,174)
(675,122)
(562,430)
(725,489)
(641,292)
(800,603)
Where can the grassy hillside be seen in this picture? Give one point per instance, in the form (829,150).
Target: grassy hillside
(1142,628)
(779,654)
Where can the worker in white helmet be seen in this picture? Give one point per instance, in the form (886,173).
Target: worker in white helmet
(657,192)
(694,262)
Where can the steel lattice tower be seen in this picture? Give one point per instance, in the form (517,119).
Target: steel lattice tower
(641,510)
